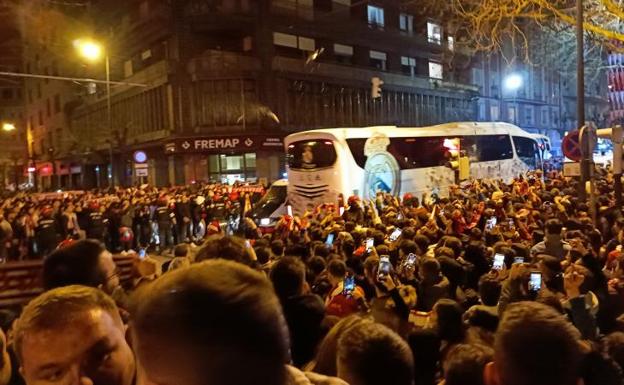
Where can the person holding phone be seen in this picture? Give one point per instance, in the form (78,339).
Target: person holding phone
(388,307)
(343,300)
(433,284)
(581,304)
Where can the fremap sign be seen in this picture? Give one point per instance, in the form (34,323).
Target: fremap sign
(219,144)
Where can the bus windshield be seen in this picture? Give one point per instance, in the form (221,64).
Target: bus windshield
(273,199)
(526,149)
(311,154)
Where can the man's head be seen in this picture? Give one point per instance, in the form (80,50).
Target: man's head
(225,247)
(73,335)
(409,247)
(553,227)
(489,290)
(465,363)
(277,248)
(430,269)
(85,262)
(337,270)
(371,354)
(288,277)
(217,322)
(181,250)
(534,345)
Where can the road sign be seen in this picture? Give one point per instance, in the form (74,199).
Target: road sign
(571,169)
(571,146)
(141,169)
(140,156)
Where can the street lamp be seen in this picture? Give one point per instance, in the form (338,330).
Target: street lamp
(92,51)
(6,126)
(513,81)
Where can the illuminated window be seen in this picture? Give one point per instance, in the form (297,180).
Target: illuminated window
(375,16)
(434,33)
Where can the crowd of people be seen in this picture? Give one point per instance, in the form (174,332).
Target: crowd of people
(32,225)
(496,284)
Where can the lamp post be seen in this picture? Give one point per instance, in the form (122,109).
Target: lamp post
(8,126)
(92,51)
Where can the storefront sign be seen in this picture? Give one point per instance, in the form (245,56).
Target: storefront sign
(219,144)
(249,189)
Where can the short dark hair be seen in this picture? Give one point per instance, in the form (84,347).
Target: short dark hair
(373,354)
(225,247)
(55,307)
(613,346)
(422,241)
(409,247)
(75,264)
(181,250)
(277,247)
(464,364)
(489,290)
(225,314)
(536,345)
(450,323)
(554,226)
(337,268)
(430,266)
(288,276)
(263,254)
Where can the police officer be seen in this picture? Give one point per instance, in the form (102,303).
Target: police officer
(47,232)
(95,222)
(165,218)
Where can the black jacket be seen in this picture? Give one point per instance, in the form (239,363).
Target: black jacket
(304,315)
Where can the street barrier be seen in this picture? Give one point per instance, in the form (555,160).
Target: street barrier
(21,281)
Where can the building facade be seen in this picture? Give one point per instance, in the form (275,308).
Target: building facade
(616,87)
(50,92)
(12,124)
(207,89)
(217,84)
(538,98)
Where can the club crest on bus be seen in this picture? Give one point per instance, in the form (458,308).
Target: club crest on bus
(382,169)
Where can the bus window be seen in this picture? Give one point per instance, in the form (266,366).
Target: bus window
(356,145)
(419,152)
(311,154)
(526,149)
(487,148)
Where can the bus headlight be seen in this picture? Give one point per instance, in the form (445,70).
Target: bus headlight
(265,221)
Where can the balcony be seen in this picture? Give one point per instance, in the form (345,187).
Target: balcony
(363,75)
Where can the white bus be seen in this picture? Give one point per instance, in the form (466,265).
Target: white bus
(361,161)
(543,143)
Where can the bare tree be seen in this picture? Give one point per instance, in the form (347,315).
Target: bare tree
(539,32)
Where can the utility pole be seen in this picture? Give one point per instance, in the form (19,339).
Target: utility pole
(580,98)
(616,138)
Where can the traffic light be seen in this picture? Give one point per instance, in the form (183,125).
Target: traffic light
(457,159)
(376,84)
